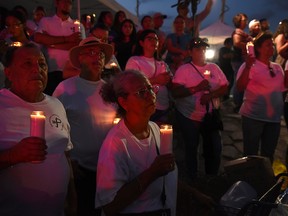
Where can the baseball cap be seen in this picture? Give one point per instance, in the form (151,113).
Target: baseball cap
(198,42)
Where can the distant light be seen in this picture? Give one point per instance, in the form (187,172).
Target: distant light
(210,53)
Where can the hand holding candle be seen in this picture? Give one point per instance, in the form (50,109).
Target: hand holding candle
(77,25)
(166,137)
(207,75)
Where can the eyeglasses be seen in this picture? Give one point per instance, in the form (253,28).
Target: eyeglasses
(142,93)
(16,25)
(272,73)
(91,53)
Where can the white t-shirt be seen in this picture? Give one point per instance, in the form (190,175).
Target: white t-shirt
(186,75)
(263,99)
(29,188)
(89,116)
(54,26)
(123,157)
(150,67)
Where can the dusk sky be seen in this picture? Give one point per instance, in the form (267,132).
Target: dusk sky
(273,10)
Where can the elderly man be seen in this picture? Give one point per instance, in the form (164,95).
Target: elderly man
(34,171)
(254,28)
(90,118)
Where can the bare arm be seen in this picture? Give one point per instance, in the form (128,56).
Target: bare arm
(243,80)
(179,91)
(237,42)
(175,50)
(281,45)
(203,14)
(132,190)
(61,42)
(27,150)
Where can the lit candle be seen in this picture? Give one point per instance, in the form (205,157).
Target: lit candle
(166,137)
(207,75)
(77,25)
(116,120)
(16,44)
(37,124)
(113,65)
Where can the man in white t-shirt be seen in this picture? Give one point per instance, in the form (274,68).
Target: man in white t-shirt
(34,171)
(58,34)
(89,117)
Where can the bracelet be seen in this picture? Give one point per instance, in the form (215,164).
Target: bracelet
(140,188)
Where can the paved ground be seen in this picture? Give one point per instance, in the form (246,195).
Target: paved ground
(232,149)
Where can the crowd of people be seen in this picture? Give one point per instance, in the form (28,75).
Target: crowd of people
(85,75)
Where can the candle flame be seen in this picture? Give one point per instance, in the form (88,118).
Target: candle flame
(16,44)
(113,64)
(116,120)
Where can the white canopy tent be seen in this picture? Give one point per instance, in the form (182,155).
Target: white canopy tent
(216,33)
(86,6)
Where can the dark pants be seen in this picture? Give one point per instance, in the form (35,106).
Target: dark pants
(237,95)
(256,132)
(212,145)
(85,183)
(54,78)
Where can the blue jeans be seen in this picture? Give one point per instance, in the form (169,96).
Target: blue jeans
(212,145)
(256,132)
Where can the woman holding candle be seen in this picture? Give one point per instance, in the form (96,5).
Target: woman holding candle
(145,60)
(263,83)
(34,171)
(195,85)
(132,175)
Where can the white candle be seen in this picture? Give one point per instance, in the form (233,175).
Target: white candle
(77,25)
(207,75)
(166,137)
(37,124)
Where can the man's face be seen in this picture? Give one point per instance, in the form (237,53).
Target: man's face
(101,34)
(92,59)
(28,71)
(64,6)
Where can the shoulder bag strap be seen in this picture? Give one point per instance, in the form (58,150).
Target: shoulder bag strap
(158,143)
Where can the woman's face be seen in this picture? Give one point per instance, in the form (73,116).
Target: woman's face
(198,55)
(147,23)
(121,17)
(150,43)
(266,49)
(243,22)
(179,24)
(14,26)
(141,99)
(127,28)
(108,19)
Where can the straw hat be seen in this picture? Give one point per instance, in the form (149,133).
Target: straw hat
(107,49)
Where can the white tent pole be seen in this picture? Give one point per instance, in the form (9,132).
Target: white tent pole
(78,10)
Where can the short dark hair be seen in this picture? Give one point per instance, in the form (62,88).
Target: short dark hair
(10,52)
(237,19)
(259,40)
